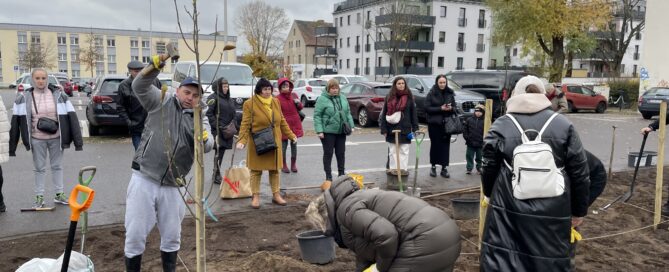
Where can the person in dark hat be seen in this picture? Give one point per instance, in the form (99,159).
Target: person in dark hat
(473,135)
(387,230)
(221,114)
(127,105)
(160,166)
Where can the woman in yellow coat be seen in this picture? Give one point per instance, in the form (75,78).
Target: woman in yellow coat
(259,112)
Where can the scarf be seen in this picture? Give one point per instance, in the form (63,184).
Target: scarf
(267,103)
(397,102)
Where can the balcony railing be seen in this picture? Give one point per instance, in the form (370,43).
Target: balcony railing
(368,47)
(327,31)
(482,23)
(403,70)
(402,45)
(325,52)
(462,22)
(357,48)
(461,46)
(400,18)
(480,47)
(636,56)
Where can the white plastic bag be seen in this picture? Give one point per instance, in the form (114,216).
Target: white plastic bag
(78,263)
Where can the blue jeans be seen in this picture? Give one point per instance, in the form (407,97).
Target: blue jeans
(136,139)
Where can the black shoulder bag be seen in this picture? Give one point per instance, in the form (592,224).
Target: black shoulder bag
(263,139)
(45,124)
(452,123)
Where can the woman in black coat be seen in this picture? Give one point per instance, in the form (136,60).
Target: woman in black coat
(221,112)
(399,113)
(439,104)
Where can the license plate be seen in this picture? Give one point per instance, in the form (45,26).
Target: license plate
(654,101)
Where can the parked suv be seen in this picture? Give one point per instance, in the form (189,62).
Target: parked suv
(366,100)
(309,89)
(649,102)
(583,98)
(420,86)
(344,79)
(493,84)
(101,108)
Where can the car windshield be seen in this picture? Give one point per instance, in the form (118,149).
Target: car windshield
(317,83)
(382,90)
(110,85)
(429,82)
(236,75)
(658,91)
(356,79)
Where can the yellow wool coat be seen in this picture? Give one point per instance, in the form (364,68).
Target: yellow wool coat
(261,120)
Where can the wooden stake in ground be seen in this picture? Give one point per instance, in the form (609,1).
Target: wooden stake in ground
(613,145)
(487,123)
(660,165)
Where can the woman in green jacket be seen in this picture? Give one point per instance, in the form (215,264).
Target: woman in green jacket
(330,115)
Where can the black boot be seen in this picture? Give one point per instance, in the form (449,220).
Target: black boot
(169,261)
(3,208)
(444,172)
(433,171)
(133,264)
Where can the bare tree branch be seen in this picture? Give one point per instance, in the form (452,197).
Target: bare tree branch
(183,37)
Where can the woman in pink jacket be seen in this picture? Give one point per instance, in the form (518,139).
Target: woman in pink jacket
(291,107)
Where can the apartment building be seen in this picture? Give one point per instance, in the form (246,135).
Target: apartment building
(305,49)
(444,35)
(655,58)
(117,47)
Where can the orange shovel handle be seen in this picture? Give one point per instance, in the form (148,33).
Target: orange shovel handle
(76,207)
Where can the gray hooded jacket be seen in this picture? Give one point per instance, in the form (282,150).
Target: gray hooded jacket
(166,150)
(391,229)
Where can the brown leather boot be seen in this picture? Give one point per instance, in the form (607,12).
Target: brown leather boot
(255,201)
(278,200)
(293,165)
(285,166)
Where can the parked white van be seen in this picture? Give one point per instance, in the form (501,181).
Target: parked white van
(239,76)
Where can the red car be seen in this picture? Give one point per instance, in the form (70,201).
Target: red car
(583,98)
(366,100)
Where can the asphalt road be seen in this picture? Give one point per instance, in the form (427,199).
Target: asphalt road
(366,154)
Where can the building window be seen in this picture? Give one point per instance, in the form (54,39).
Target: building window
(74,55)
(440,62)
(442,12)
(341,21)
(74,40)
(340,65)
(348,41)
(442,36)
(348,20)
(22,37)
(515,52)
(493,63)
(461,42)
(146,44)
(634,70)
(100,58)
(160,48)
(299,58)
(62,40)
(35,38)
(75,73)
(112,72)
(288,61)
(462,20)
(134,57)
(341,44)
(62,71)
(98,41)
(62,56)
(357,62)
(638,35)
(382,11)
(379,62)
(459,63)
(358,20)
(369,15)
(479,63)
(111,42)
(146,59)
(299,43)
(482,21)
(134,43)
(111,58)
(293,32)
(348,63)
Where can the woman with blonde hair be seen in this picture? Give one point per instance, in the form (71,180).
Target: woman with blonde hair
(333,122)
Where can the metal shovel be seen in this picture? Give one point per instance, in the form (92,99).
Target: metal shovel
(626,197)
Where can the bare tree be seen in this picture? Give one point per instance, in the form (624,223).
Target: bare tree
(263,26)
(91,53)
(616,41)
(37,55)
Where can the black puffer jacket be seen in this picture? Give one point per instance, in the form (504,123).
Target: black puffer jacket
(408,123)
(129,108)
(473,133)
(433,101)
(391,229)
(220,111)
(534,234)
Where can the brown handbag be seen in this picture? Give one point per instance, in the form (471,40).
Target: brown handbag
(229,130)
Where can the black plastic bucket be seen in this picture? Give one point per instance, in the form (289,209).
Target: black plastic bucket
(315,247)
(465,208)
(649,158)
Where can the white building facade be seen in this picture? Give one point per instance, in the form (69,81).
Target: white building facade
(655,58)
(449,35)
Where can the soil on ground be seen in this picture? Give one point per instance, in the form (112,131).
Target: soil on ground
(264,240)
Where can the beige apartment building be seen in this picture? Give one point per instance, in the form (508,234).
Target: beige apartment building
(305,51)
(117,47)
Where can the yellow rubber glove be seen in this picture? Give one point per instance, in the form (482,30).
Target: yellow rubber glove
(205,136)
(575,236)
(484,202)
(155,60)
(371,268)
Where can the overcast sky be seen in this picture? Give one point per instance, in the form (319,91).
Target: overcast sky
(133,14)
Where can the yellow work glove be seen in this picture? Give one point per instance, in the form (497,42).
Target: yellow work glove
(575,236)
(371,268)
(484,202)
(155,60)
(205,136)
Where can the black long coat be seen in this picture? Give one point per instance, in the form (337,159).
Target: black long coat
(533,234)
(433,101)
(220,111)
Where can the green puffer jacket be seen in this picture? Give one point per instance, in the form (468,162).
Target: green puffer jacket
(327,118)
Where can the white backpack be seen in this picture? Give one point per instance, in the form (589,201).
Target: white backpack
(535,174)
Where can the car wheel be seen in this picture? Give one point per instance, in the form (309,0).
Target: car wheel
(601,107)
(571,107)
(646,115)
(363,117)
(305,102)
